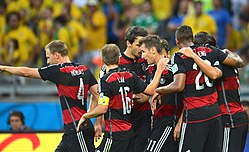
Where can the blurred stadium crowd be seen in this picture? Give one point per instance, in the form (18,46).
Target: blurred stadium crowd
(26,26)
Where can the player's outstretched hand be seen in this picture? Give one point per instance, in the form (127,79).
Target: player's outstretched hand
(82,120)
(187,51)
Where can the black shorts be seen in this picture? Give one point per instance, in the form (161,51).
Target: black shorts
(162,140)
(75,142)
(141,126)
(110,145)
(234,139)
(202,136)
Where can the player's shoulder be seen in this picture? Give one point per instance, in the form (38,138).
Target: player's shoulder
(51,66)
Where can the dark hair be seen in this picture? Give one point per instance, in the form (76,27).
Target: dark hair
(152,41)
(61,20)
(18,114)
(13,14)
(57,46)
(133,32)
(110,54)
(184,34)
(203,38)
(3,4)
(165,44)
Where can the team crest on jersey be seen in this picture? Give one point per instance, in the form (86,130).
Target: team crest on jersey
(162,80)
(201,53)
(143,66)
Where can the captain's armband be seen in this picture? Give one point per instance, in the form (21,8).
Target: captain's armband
(103,100)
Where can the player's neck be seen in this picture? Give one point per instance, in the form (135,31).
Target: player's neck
(128,54)
(64,60)
(109,67)
(186,44)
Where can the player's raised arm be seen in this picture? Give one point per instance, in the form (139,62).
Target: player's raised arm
(212,72)
(21,71)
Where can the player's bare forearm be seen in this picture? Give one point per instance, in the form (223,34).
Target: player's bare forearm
(212,72)
(99,110)
(94,97)
(140,97)
(21,71)
(161,65)
(233,60)
(176,86)
(236,60)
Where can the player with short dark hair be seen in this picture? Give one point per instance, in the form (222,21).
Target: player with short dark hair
(201,128)
(141,115)
(234,118)
(116,88)
(167,111)
(73,81)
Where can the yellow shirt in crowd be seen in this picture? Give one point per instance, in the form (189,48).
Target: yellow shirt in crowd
(96,37)
(26,40)
(202,23)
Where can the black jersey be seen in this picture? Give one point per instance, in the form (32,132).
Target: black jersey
(200,95)
(119,85)
(170,109)
(73,82)
(229,98)
(139,67)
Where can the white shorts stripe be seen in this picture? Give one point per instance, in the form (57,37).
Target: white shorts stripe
(184,126)
(226,140)
(108,145)
(82,141)
(165,134)
(164,139)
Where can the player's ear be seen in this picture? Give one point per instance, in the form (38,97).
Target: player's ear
(57,55)
(177,42)
(128,44)
(153,50)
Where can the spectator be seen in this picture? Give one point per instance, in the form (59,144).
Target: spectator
(173,22)
(16,122)
(200,21)
(123,20)
(244,27)
(2,23)
(111,8)
(146,19)
(223,21)
(96,26)
(26,41)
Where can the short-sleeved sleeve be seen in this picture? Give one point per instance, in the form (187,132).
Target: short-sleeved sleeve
(92,80)
(139,85)
(221,56)
(50,73)
(104,88)
(177,64)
